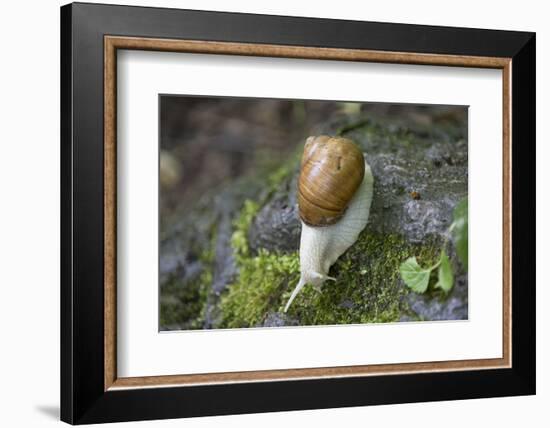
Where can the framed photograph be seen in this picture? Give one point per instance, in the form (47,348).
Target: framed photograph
(266,213)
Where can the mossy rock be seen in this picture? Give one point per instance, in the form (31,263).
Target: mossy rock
(251,231)
(367,287)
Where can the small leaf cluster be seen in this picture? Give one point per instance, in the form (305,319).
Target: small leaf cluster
(417,278)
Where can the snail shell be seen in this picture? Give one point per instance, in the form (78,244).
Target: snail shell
(332,170)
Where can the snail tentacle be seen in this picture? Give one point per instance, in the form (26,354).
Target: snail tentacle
(295,292)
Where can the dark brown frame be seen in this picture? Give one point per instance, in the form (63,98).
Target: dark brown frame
(90,37)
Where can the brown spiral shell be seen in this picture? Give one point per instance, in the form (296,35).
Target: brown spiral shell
(332,169)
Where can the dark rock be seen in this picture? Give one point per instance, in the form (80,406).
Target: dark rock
(436,307)
(277,225)
(278,319)
(348,304)
(394,210)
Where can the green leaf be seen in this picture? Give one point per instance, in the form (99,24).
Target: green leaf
(461,209)
(445,273)
(460,231)
(415,276)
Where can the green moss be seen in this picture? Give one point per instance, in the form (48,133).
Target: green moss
(261,278)
(277,176)
(274,167)
(344,129)
(239,240)
(181,303)
(259,288)
(368,287)
(285,169)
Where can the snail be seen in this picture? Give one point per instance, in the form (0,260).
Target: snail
(334,198)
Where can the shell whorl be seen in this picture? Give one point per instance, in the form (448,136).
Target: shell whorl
(331,171)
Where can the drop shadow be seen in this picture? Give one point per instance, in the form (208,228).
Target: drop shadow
(49,410)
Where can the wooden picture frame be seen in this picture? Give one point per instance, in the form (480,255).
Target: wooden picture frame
(91,391)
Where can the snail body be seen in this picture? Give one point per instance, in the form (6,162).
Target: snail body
(334,198)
